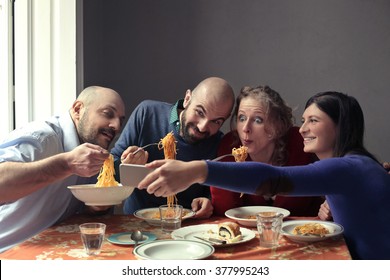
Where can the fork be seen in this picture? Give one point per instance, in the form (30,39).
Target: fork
(143,147)
(221,157)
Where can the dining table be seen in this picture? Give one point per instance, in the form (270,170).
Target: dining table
(63,242)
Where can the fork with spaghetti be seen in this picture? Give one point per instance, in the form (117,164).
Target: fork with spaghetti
(240,154)
(168,143)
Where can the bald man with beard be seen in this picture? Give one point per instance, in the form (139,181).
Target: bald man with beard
(38,162)
(195,121)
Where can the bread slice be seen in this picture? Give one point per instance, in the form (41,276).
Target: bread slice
(229,230)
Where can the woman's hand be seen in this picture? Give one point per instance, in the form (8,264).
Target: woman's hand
(202,207)
(325,213)
(173,176)
(386,165)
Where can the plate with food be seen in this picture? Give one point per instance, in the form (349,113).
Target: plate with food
(218,235)
(106,192)
(173,250)
(311,230)
(246,215)
(124,238)
(152,215)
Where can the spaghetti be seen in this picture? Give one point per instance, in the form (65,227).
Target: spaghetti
(106,176)
(168,143)
(311,229)
(240,154)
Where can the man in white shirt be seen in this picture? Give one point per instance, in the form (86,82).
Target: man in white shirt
(39,161)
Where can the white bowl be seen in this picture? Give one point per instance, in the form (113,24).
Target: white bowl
(240,214)
(288,227)
(101,196)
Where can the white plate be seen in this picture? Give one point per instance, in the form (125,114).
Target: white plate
(287,228)
(239,214)
(207,231)
(148,213)
(173,250)
(124,238)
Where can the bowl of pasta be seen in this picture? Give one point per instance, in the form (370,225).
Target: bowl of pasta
(246,215)
(92,195)
(107,191)
(152,215)
(311,230)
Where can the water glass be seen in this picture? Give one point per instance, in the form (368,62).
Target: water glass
(269,226)
(170,217)
(92,235)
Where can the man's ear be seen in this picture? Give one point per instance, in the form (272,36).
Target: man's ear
(76,109)
(187,98)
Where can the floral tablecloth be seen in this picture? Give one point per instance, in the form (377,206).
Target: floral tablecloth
(62,242)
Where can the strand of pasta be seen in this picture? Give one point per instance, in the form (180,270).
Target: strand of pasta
(106,176)
(240,154)
(168,143)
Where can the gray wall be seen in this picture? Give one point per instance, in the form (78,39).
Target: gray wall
(149,49)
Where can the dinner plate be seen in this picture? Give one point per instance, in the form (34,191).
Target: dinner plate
(287,229)
(241,214)
(173,250)
(148,213)
(124,238)
(207,231)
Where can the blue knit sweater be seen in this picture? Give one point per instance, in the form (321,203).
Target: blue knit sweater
(356,187)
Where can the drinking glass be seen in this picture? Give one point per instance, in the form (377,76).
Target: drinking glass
(269,226)
(92,235)
(170,217)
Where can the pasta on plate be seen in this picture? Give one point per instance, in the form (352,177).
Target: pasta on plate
(311,229)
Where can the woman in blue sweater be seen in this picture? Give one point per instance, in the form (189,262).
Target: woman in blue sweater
(356,185)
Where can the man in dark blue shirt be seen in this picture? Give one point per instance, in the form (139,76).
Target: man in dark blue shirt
(195,121)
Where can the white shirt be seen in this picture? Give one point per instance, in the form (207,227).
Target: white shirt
(24,218)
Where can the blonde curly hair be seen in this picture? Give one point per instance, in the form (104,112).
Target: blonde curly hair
(279,118)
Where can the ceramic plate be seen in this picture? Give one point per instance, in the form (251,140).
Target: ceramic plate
(173,250)
(242,214)
(124,238)
(149,213)
(207,231)
(287,228)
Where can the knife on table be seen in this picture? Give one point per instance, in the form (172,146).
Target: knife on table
(214,241)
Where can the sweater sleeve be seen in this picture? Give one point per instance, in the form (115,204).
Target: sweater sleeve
(329,176)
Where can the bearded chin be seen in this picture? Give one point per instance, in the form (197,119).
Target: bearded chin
(185,130)
(190,138)
(90,136)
